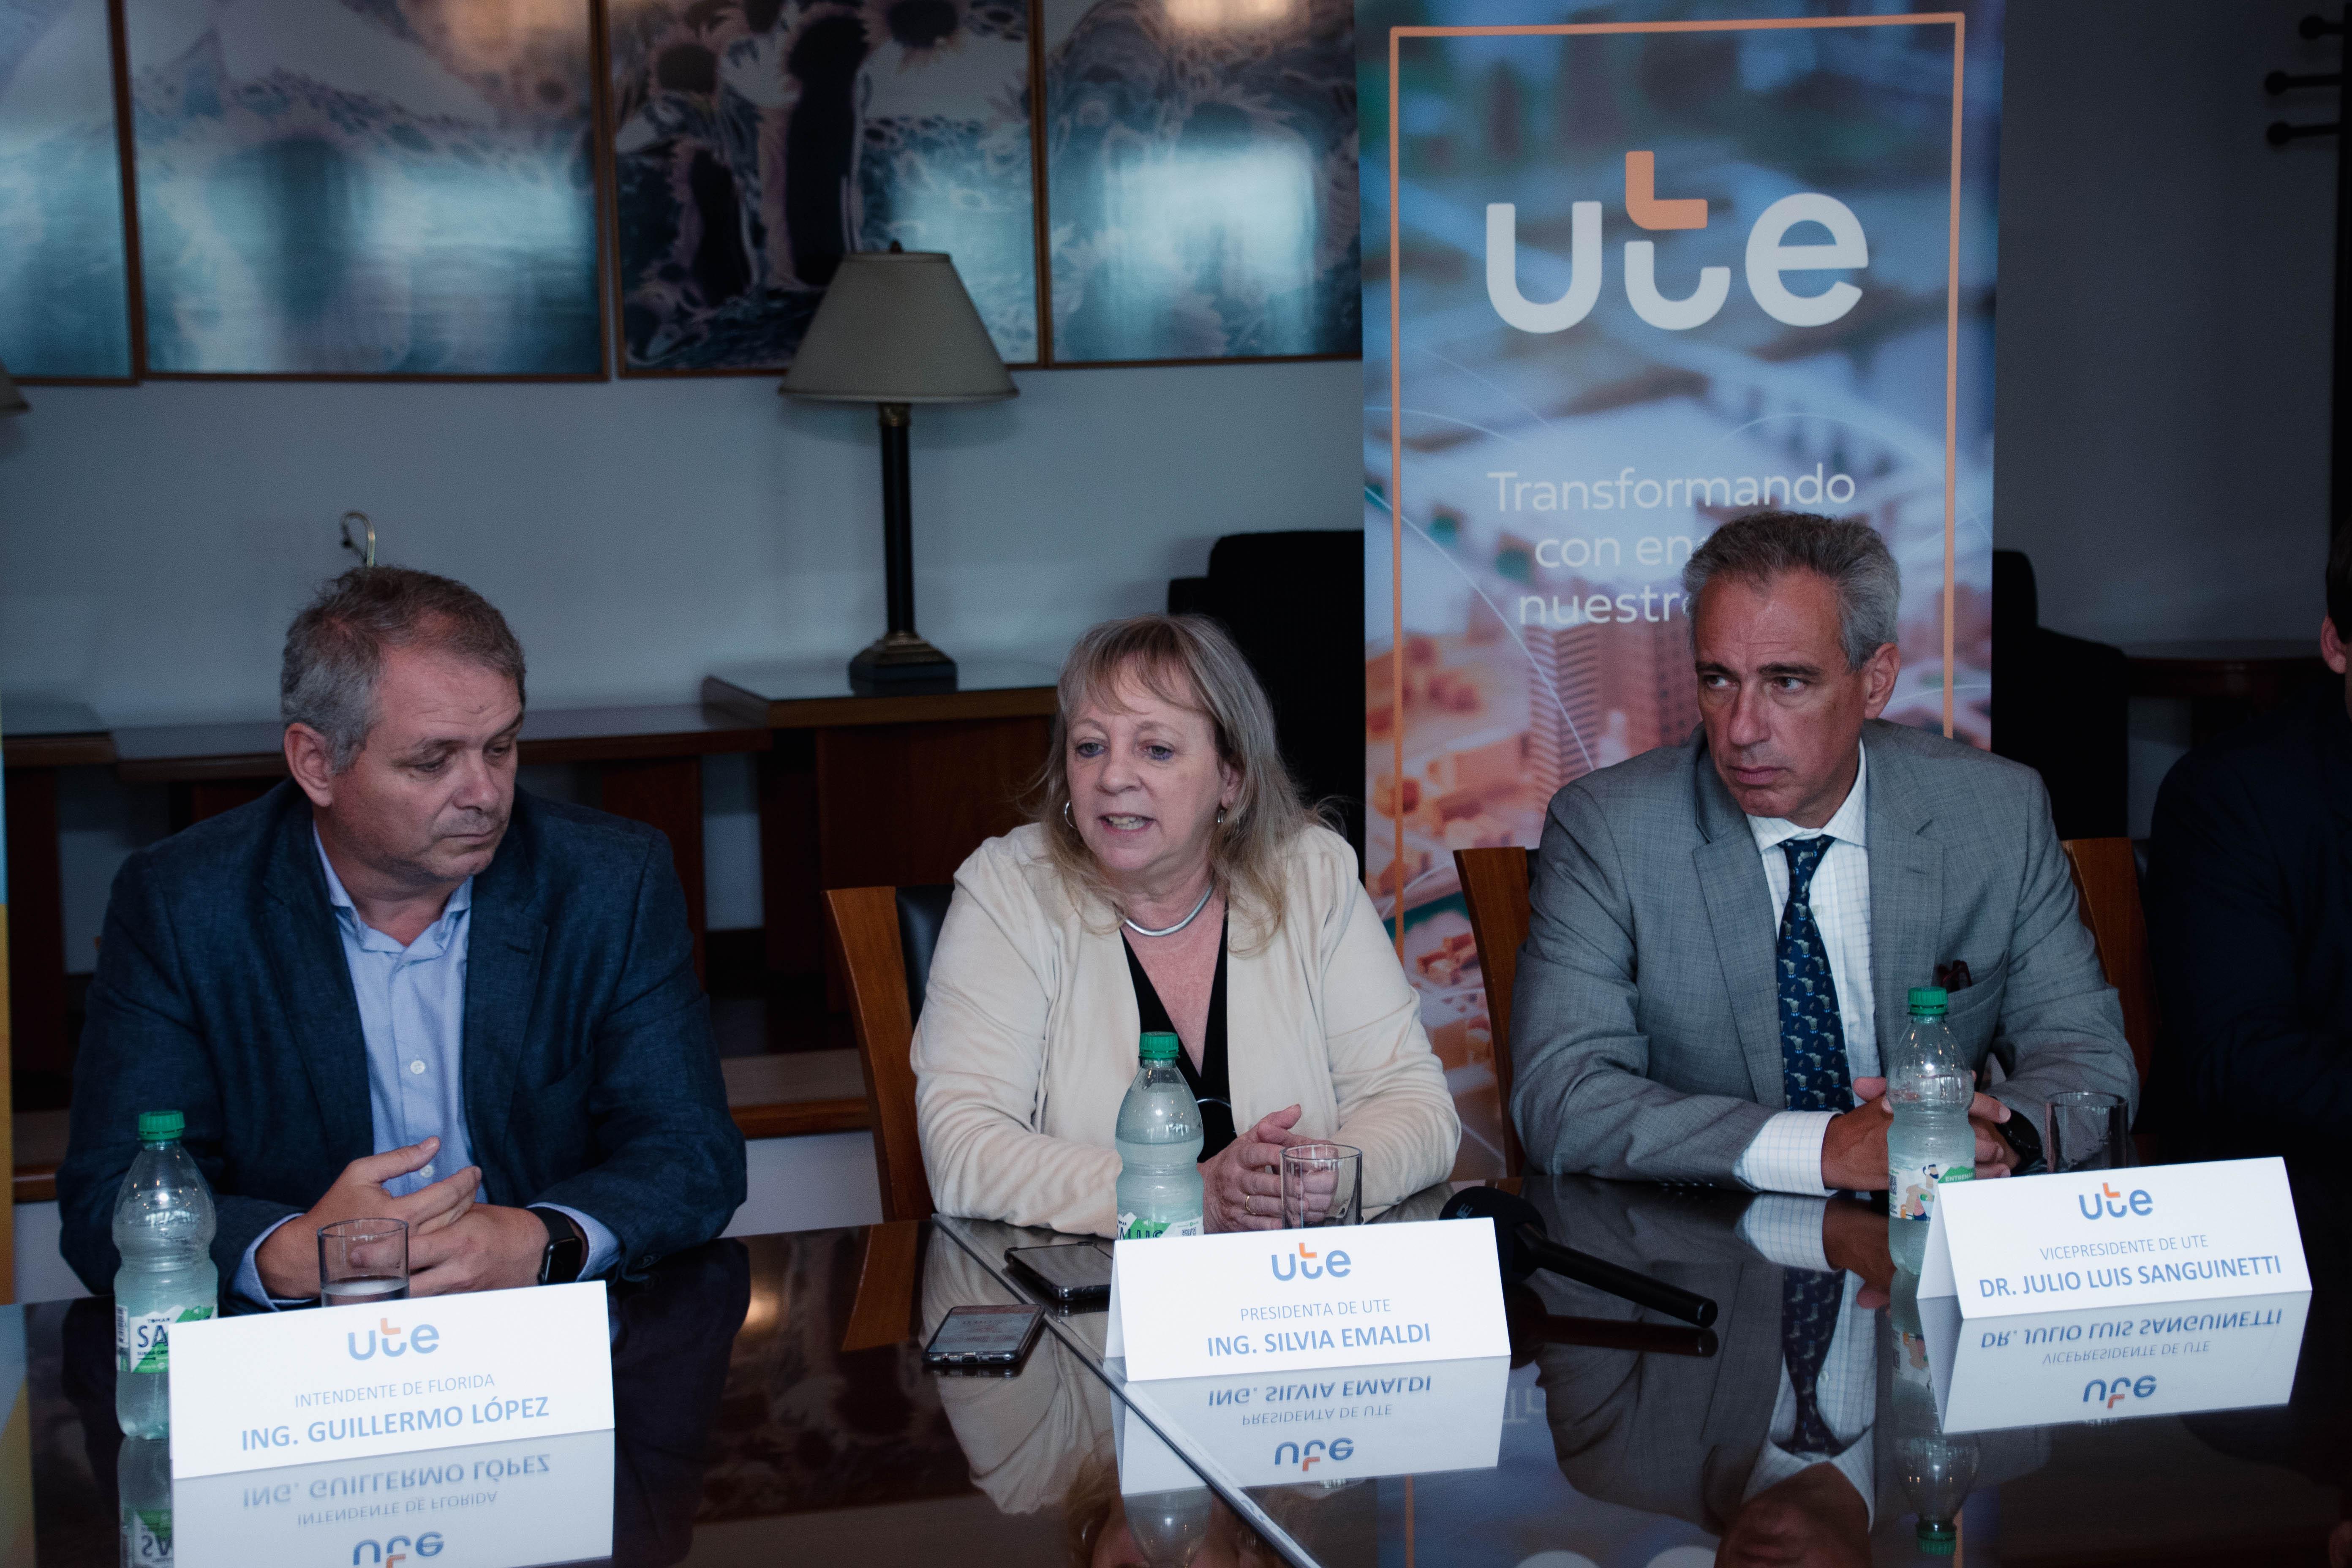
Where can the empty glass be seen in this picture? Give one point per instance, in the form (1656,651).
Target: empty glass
(362,1260)
(1322,1183)
(2087,1130)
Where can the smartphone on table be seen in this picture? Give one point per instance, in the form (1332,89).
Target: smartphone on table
(988,1338)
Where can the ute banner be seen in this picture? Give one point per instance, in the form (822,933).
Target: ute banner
(1632,271)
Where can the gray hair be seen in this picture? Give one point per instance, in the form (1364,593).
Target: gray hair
(1186,660)
(1758,547)
(334,649)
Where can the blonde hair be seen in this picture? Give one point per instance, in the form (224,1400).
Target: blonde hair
(1186,660)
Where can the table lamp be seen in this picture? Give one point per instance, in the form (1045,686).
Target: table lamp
(897,328)
(10,400)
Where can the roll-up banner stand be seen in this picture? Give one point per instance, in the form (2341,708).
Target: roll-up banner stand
(1632,271)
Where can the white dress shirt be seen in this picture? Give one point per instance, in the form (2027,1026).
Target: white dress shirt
(1788,1231)
(1785,1156)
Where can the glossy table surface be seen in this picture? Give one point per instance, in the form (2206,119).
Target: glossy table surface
(771,1407)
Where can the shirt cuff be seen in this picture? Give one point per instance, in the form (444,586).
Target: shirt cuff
(1788,1231)
(1785,1155)
(602,1249)
(247,1283)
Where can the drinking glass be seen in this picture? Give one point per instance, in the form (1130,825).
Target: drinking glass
(362,1260)
(2087,1131)
(1322,1183)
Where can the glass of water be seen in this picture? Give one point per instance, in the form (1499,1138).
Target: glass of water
(362,1260)
(1322,1183)
(2088,1131)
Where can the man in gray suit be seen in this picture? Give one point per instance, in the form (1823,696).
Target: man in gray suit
(1724,932)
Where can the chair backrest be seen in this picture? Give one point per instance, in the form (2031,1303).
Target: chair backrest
(1495,888)
(2106,888)
(862,926)
(921,912)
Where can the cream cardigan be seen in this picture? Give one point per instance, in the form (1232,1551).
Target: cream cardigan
(1027,1042)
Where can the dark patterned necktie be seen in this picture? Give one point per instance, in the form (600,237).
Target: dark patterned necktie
(1810,1301)
(1812,1042)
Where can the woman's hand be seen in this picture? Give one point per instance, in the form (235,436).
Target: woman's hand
(1242,1186)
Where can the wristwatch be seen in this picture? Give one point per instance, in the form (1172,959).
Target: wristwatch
(567,1249)
(2024,1139)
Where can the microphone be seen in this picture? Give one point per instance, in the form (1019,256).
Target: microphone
(1522,1245)
(1532,1328)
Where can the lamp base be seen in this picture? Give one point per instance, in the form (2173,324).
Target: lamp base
(901,662)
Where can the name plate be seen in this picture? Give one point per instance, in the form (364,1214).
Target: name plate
(1283,1300)
(350,1382)
(2110,1362)
(2103,1238)
(1412,1418)
(496,1505)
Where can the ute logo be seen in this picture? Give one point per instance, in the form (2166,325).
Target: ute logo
(1288,1454)
(388,1553)
(2109,1204)
(1769,255)
(425,1338)
(2110,1394)
(1302,1263)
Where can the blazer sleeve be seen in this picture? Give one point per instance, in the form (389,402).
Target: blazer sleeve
(1392,1098)
(980,1056)
(2224,932)
(1580,1092)
(2062,1026)
(142,1048)
(671,1173)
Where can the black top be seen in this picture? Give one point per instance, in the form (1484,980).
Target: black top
(1210,1083)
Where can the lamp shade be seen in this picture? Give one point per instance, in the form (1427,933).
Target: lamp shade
(896,326)
(10,400)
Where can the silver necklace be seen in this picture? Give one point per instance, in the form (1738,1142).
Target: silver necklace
(1179,925)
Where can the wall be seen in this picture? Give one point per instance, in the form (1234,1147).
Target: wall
(2164,328)
(154,540)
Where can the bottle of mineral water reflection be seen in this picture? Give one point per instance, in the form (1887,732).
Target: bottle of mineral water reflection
(1929,1088)
(1159,1139)
(1936,1469)
(142,1479)
(164,1227)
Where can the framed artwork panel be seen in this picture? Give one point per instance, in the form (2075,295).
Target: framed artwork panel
(65,254)
(365,188)
(1200,161)
(755,143)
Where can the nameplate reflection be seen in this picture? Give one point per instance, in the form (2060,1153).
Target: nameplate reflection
(1344,1425)
(494,1505)
(2106,1363)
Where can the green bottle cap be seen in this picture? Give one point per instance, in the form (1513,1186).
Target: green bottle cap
(1938,1537)
(160,1126)
(1159,1047)
(1929,1001)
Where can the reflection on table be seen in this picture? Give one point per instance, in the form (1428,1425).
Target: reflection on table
(772,1404)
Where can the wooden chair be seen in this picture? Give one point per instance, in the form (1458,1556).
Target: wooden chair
(861,926)
(2106,888)
(1495,888)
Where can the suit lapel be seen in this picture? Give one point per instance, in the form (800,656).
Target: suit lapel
(506,936)
(1739,912)
(1906,891)
(314,982)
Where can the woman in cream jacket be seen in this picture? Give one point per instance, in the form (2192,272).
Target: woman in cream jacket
(1173,881)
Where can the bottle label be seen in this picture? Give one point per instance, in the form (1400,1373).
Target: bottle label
(1133,1228)
(143,1340)
(147,1538)
(1911,1187)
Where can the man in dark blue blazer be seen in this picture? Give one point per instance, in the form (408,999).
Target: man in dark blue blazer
(2250,922)
(395,987)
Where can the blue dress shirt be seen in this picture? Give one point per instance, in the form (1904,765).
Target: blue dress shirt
(412,1004)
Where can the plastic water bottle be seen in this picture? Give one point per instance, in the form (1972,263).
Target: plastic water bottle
(1159,1139)
(1935,1469)
(164,1227)
(142,1477)
(1930,1089)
